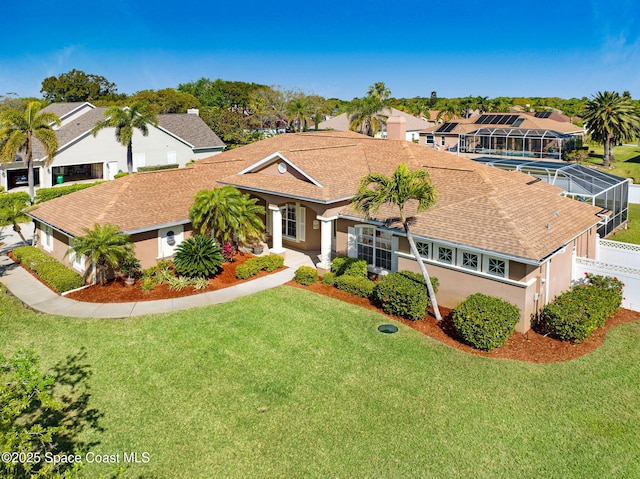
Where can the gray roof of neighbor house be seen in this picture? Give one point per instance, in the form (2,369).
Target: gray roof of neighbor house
(188,128)
(341,122)
(478,206)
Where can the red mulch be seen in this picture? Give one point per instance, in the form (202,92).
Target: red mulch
(531,347)
(115,291)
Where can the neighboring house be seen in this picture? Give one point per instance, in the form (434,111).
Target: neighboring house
(81,156)
(492,231)
(414,125)
(505,134)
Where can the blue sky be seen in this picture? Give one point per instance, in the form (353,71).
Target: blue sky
(565,48)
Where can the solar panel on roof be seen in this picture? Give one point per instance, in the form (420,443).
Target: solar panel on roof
(496,119)
(542,114)
(446,128)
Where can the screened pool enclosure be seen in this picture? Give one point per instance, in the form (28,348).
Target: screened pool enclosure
(609,192)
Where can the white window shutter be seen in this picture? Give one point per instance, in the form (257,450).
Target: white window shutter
(302,222)
(352,247)
(394,253)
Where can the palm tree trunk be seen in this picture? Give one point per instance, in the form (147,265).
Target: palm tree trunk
(423,270)
(18,229)
(130,158)
(30,176)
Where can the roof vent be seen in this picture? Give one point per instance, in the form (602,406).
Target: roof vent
(548,226)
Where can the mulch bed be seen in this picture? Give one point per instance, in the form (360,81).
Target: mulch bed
(530,347)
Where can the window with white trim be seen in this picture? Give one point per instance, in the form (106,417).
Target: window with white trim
(469,260)
(289,225)
(445,255)
(374,245)
(47,237)
(496,267)
(423,249)
(78,261)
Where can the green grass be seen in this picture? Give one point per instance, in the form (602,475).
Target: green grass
(288,384)
(627,164)
(632,233)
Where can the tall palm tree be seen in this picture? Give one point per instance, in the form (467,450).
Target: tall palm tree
(365,115)
(379,91)
(298,112)
(104,245)
(227,215)
(449,110)
(125,121)
(403,186)
(610,118)
(18,131)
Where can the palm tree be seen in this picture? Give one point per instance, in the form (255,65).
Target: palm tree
(125,121)
(104,245)
(298,111)
(365,115)
(379,91)
(227,215)
(610,118)
(18,131)
(449,110)
(14,214)
(403,186)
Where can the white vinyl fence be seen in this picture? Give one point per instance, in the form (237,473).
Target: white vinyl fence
(634,194)
(616,259)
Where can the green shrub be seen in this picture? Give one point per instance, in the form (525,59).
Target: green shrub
(120,174)
(357,285)
(147,283)
(51,271)
(485,322)
(198,256)
(247,269)
(8,199)
(306,275)
(404,294)
(575,314)
(349,266)
(329,278)
(269,262)
(158,167)
(46,194)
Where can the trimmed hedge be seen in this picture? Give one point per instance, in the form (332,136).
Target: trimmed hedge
(485,322)
(8,199)
(358,285)
(329,278)
(269,263)
(306,275)
(404,294)
(576,314)
(59,277)
(46,194)
(158,167)
(343,265)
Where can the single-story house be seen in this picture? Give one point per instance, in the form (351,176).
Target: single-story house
(412,124)
(492,231)
(505,134)
(177,139)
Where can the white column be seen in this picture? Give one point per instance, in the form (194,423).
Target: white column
(276,226)
(326,227)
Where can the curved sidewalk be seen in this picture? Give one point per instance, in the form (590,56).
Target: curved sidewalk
(40,298)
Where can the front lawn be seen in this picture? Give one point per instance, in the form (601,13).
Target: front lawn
(632,233)
(627,164)
(288,384)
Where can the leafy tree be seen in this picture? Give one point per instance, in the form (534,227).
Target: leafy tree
(433,100)
(125,121)
(319,108)
(450,110)
(482,104)
(298,111)
(77,85)
(105,247)
(232,95)
(269,105)
(14,214)
(44,413)
(379,91)
(365,115)
(402,187)
(500,104)
(167,100)
(229,125)
(18,130)
(227,215)
(199,256)
(611,118)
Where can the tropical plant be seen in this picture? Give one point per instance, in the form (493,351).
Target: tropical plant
(14,214)
(199,256)
(449,110)
(104,246)
(611,118)
(298,111)
(18,132)
(227,215)
(402,187)
(130,266)
(365,115)
(126,121)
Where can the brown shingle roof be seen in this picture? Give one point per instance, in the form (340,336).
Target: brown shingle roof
(478,206)
(467,125)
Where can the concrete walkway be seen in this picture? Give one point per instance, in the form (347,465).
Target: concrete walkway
(40,298)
